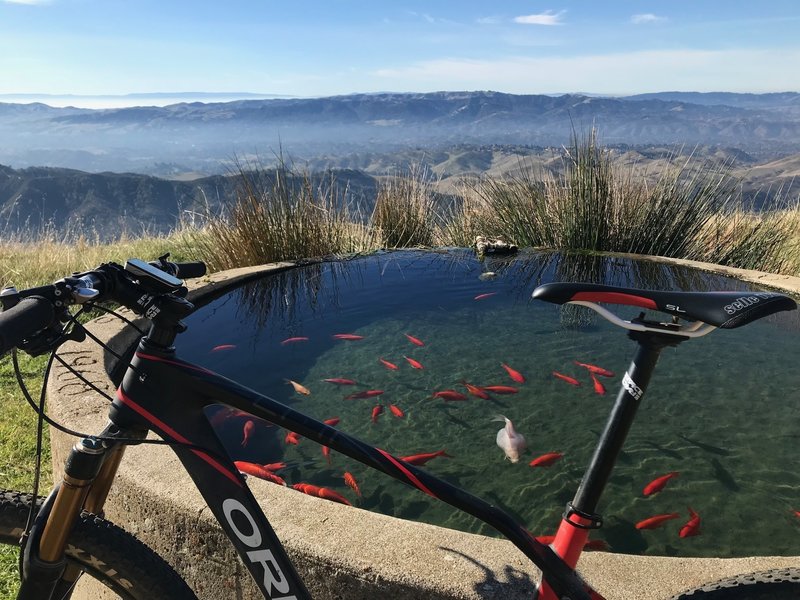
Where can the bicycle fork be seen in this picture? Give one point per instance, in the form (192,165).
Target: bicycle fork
(89,472)
(579,516)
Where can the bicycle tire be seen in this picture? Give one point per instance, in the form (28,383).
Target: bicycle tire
(104,552)
(775,584)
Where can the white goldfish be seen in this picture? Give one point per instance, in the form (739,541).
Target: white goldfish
(509,441)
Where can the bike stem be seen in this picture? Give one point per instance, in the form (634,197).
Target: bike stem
(579,516)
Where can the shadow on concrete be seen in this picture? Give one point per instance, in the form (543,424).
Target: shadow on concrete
(511,585)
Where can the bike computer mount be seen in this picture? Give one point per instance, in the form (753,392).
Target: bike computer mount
(152,277)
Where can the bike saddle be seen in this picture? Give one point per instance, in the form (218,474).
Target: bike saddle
(726,310)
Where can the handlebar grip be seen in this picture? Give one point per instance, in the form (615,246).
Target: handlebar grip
(32,314)
(189,270)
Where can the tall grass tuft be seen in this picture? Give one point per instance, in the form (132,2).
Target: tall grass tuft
(280,215)
(405,213)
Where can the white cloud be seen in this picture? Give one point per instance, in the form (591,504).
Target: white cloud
(30,2)
(646,18)
(548,17)
(489,20)
(613,74)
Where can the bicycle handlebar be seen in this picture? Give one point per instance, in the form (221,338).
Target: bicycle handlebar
(28,312)
(32,314)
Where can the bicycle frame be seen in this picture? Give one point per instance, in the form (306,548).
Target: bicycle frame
(169,396)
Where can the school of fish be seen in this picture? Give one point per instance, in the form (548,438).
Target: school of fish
(508,438)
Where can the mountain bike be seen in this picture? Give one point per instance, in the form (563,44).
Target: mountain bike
(63,536)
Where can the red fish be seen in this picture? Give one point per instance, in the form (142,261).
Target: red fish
(567,378)
(274,466)
(414,363)
(292,438)
(413,340)
(397,411)
(326,452)
(595,369)
(333,422)
(388,365)
(484,296)
(352,483)
(340,381)
(351,337)
(598,387)
(692,527)
(223,347)
(658,484)
(376,410)
(364,394)
(475,390)
(450,396)
(421,459)
(321,492)
(500,389)
(797,513)
(656,521)
(515,375)
(258,471)
(247,431)
(545,460)
(293,340)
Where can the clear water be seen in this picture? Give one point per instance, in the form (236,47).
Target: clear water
(721,410)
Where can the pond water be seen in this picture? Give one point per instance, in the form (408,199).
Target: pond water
(721,410)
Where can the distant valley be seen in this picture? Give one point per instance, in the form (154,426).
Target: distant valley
(154,165)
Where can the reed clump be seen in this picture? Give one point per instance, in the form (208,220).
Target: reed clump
(406,213)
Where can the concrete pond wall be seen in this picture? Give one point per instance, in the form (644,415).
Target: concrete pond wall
(342,552)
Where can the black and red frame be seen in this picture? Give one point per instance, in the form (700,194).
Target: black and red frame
(170,397)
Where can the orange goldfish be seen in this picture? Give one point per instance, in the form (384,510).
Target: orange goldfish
(515,375)
(692,527)
(364,394)
(595,369)
(258,471)
(293,340)
(376,410)
(475,390)
(397,411)
(352,483)
(351,337)
(321,492)
(292,438)
(545,460)
(421,459)
(414,363)
(500,389)
(388,365)
(223,347)
(333,421)
(339,381)
(658,484)
(567,378)
(484,296)
(598,387)
(413,340)
(247,431)
(326,452)
(299,388)
(656,521)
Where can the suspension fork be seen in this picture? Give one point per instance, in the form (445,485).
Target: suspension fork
(580,515)
(89,472)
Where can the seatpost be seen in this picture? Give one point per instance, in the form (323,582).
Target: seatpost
(580,514)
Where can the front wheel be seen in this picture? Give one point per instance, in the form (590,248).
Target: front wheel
(775,584)
(100,550)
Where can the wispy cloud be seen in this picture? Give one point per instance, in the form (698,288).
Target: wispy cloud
(489,20)
(646,18)
(619,73)
(30,2)
(548,17)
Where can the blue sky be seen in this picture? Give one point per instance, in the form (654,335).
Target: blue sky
(319,48)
